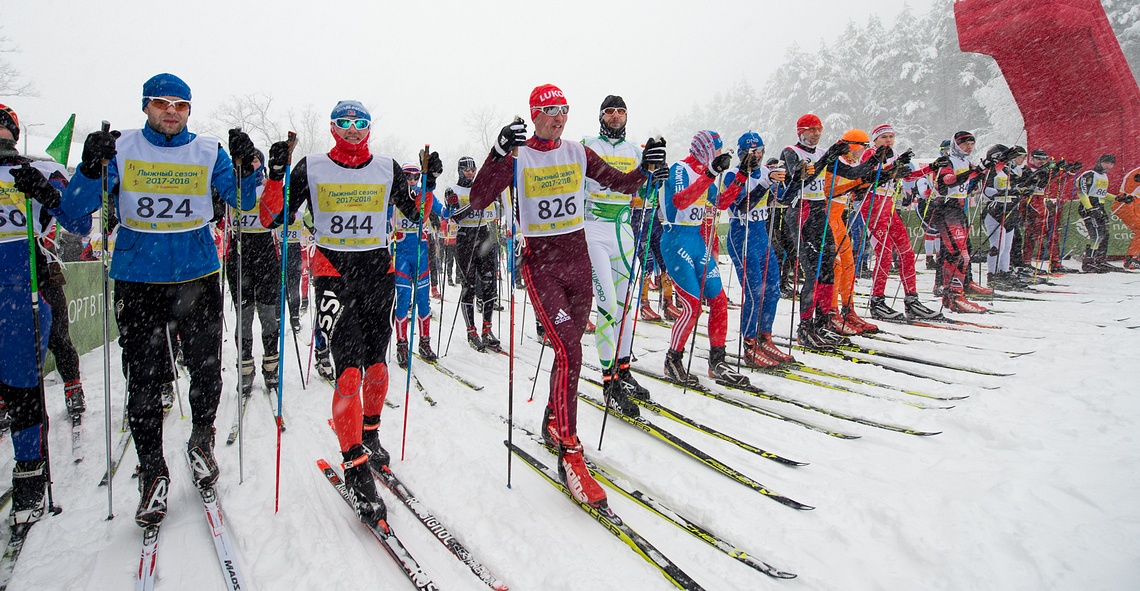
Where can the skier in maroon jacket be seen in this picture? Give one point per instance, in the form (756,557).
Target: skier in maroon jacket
(549,176)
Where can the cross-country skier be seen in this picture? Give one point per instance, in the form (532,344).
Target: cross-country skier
(550,180)
(954,173)
(749,246)
(1000,221)
(1092,190)
(610,243)
(412,257)
(691,189)
(1127,209)
(20,371)
(476,254)
(348,191)
(163,180)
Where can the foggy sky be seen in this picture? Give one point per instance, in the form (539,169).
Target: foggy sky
(421,68)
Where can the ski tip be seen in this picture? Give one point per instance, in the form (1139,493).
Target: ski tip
(323,464)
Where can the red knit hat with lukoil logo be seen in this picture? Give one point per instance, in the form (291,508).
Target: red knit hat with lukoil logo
(545,96)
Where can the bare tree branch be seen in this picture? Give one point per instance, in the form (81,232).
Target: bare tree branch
(12,82)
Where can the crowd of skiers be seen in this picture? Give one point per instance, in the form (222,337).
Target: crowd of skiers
(597,225)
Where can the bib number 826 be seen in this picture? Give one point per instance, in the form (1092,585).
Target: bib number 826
(556,207)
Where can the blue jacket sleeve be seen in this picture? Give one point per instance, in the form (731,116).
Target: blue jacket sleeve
(225,182)
(80,224)
(84,196)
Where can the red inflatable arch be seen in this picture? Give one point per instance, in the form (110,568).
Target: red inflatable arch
(1066,71)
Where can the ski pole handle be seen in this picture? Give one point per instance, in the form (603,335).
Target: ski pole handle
(105,127)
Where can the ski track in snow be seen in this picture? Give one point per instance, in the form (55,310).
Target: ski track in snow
(1030,486)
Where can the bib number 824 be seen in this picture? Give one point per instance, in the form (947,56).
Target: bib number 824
(147,208)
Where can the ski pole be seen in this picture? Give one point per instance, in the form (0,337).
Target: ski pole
(239,303)
(291,138)
(823,239)
(465,280)
(29,221)
(538,368)
(105,204)
(511,263)
(703,280)
(412,319)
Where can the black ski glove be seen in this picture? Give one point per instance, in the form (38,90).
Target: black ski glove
(748,163)
(242,152)
(718,165)
(511,136)
(99,146)
(883,153)
(34,184)
(278,160)
(653,154)
(434,164)
(835,151)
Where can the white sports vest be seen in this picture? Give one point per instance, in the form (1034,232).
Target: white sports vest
(165,189)
(350,205)
(552,189)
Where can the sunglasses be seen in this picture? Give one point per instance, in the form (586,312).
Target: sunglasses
(612,110)
(412,177)
(552,110)
(164,104)
(346,123)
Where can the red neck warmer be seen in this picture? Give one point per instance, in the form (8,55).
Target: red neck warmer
(350,154)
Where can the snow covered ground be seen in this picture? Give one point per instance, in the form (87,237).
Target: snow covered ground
(1031,484)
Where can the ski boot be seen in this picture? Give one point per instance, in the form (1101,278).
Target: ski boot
(73,398)
(474,340)
(200,448)
(154,486)
(324,364)
(1132,264)
(839,325)
(402,354)
(881,311)
(29,481)
(549,428)
(771,351)
(827,333)
(916,310)
(435,292)
(425,350)
(754,356)
(361,487)
(167,394)
(269,367)
(647,313)
(490,341)
(378,457)
(590,328)
(247,375)
(575,475)
(672,313)
(973,288)
(853,319)
(809,337)
(957,302)
(624,374)
(675,370)
(722,372)
(295,323)
(930,264)
(618,392)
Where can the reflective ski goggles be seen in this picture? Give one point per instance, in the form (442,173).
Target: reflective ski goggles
(612,110)
(348,123)
(552,110)
(163,104)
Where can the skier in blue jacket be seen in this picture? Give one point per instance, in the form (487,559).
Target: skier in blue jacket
(164,182)
(412,259)
(20,371)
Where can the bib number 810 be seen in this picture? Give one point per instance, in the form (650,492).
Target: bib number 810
(556,207)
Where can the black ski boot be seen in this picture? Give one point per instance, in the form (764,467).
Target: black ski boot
(825,332)
(269,372)
(73,398)
(425,350)
(29,481)
(618,392)
(915,310)
(549,428)
(881,311)
(807,335)
(474,340)
(154,485)
(200,448)
(370,439)
(490,341)
(640,392)
(675,369)
(324,364)
(402,354)
(362,487)
(247,375)
(723,372)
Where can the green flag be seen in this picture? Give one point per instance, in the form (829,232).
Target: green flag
(60,147)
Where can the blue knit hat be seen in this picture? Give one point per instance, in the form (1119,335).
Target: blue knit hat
(705,144)
(350,109)
(165,85)
(749,141)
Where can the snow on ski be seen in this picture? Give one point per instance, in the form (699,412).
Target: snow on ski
(384,534)
(226,551)
(243,403)
(423,391)
(669,413)
(76,438)
(117,455)
(451,374)
(687,448)
(614,524)
(627,489)
(148,559)
(12,549)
